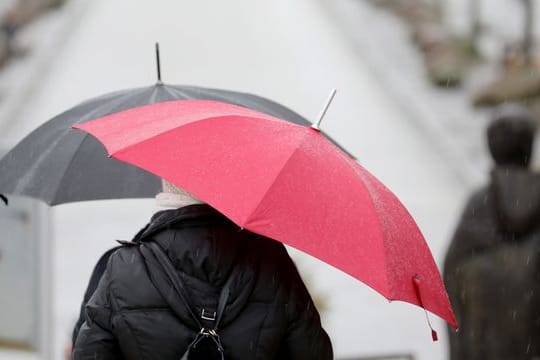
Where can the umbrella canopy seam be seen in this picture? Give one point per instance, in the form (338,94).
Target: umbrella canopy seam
(273,182)
(195,123)
(24,181)
(353,165)
(67,167)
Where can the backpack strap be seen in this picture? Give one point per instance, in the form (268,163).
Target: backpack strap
(223,298)
(160,270)
(159,259)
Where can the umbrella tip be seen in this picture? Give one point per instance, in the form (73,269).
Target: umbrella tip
(158,65)
(317,125)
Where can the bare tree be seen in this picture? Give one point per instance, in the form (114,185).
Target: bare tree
(528,30)
(474,18)
(439,6)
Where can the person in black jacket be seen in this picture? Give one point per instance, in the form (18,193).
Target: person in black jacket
(269,313)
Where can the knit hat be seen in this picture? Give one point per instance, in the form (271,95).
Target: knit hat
(174,196)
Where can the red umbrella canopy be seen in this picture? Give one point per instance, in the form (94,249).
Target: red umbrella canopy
(286,182)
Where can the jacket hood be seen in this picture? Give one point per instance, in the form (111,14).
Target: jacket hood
(206,248)
(517,199)
(191,237)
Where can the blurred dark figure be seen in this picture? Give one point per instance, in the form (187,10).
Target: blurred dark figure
(492,265)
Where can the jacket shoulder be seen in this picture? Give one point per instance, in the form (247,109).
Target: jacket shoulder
(277,272)
(129,283)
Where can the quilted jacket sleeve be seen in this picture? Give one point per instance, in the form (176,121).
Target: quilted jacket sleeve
(97,273)
(95,339)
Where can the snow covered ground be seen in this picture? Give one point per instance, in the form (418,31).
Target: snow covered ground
(292,52)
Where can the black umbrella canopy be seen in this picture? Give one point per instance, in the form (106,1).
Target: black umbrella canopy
(59,165)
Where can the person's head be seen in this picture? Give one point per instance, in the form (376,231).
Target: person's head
(170,188)
(174,196)
(510,135)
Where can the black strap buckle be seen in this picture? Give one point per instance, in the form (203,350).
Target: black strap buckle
(207,315)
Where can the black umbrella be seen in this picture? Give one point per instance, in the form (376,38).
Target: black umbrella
(59,165)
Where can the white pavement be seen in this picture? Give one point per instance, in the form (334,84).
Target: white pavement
(292,52)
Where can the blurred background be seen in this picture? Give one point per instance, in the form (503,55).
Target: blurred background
(416,82)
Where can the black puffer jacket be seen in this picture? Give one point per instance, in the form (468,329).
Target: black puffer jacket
(269,315)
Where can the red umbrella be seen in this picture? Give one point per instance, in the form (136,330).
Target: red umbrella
(286,182)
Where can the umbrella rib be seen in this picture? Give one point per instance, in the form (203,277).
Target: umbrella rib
(352,164)
(282,111)
(348,160)
(65,171)
(273,182)
(125,149)
(25,180)
(251,101)
(105,97)
(177,90)
(117,102)
(154,94)
(110,105)
(161,133)
(43,156)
